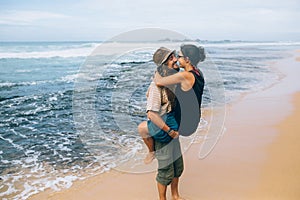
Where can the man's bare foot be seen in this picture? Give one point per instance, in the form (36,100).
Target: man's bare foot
(149,158)
(178,198)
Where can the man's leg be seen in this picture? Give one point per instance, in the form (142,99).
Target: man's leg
(178,169)
(174,189)
(162,191)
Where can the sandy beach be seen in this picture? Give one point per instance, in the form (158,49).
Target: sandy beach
(257,157)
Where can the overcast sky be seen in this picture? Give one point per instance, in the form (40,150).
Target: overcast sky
(68,20)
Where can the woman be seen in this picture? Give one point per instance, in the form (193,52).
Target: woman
(189,90)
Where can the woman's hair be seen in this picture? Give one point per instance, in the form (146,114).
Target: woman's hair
(194,53)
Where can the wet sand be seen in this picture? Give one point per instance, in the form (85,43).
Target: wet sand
(280,177)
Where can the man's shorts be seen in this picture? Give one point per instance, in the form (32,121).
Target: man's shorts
(170,162)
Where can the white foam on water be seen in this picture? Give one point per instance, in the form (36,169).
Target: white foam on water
(10,141)
(64,52)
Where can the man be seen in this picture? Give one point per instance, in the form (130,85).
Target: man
(162,127)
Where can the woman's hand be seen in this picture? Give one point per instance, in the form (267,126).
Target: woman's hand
(157,76)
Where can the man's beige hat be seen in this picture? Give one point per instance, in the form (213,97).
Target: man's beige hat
(161,55)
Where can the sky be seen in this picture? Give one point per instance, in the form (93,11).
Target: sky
(100,20)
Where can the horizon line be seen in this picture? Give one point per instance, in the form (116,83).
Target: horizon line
(164,40)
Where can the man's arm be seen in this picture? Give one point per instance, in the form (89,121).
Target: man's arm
(158,121)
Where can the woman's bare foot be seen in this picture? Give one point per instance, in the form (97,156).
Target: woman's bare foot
(149,158)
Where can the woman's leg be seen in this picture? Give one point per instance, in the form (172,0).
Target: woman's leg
(148,140)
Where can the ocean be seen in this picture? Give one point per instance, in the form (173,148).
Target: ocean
(69,110)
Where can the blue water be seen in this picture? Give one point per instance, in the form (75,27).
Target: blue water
(40,144)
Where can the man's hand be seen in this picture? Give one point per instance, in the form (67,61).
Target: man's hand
(174,134)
